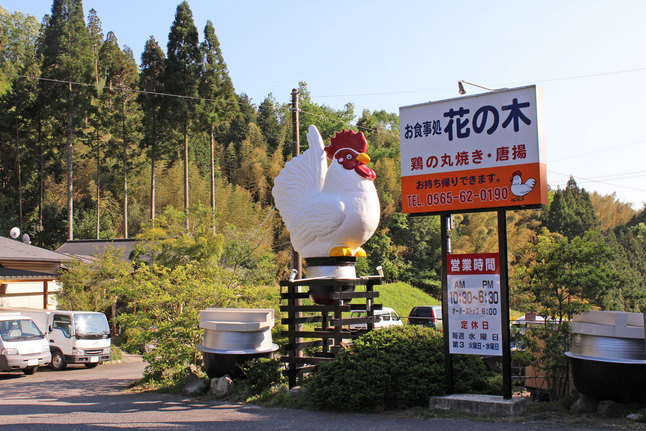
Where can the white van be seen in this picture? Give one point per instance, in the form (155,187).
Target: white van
(22,344)
(75,337)
(383,318)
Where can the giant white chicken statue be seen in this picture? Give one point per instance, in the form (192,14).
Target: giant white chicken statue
(329,211)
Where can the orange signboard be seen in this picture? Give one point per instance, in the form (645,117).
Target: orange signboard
(473,153)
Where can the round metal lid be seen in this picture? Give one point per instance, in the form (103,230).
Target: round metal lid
(266,349)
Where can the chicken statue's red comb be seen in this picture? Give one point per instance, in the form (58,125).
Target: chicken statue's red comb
(346,139)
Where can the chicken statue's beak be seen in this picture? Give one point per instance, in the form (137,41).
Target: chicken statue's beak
(364,170)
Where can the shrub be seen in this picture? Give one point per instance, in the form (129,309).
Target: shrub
(262,373)
(393,368)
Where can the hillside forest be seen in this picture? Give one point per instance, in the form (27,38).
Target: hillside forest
(98,144)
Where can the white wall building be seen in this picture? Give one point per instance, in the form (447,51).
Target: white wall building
(28,275)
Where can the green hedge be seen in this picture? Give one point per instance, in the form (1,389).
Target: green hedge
(393,368)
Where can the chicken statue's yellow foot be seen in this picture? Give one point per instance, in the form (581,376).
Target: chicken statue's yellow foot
(347,251)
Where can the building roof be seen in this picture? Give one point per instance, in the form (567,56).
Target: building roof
(8,274)
(90,248)
(17,251)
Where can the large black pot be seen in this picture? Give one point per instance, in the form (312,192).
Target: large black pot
(220,364)
(608,355)
(621,382)
(334,268)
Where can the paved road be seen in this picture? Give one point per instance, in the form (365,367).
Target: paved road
(82,399)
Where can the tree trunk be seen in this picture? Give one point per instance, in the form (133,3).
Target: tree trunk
(98,184)
(152,172)
(41,182)
(70,180)
(125,169)
(98,151)
(186,172)
(212,176)
(19,178)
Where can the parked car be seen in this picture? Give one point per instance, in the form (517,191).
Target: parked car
(383,318)
(426,315)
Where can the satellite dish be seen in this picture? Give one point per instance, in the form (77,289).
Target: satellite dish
(14,232)
(26,239)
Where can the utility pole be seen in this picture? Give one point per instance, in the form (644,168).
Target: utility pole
(296,149)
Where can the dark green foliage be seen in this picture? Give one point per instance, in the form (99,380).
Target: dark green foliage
(237,129)
(393,368)
(570,276)
(269,122)
(548,343)
(18,38)
(571,212)
(262,373)
(629,244)
(420,239)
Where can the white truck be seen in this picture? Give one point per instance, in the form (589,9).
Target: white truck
(22,345)
(74,337)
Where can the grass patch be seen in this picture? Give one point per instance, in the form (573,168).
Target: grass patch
(403,297)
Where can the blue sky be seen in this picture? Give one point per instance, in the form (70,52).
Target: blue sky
(588,56)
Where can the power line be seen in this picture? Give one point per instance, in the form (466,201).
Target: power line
(325,117)
(156,93)
(594,180)
(599,150)
(594,75)
(565,78)
(121,88)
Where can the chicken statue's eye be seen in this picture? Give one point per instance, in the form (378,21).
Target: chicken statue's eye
(349,157)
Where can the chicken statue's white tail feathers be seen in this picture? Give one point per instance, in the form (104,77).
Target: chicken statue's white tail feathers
(300,179)
(531,182)
(314,138)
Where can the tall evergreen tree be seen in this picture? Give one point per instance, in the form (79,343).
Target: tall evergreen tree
(181,79)
(67,57)
(96,40)
(151,82)
(269,122)
(216,86)
(238,129)
(571,212)
(18,169)
(120,73)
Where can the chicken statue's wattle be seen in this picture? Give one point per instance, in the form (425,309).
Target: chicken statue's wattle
(329,211)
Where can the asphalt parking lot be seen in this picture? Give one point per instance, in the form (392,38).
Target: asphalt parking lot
(99,398)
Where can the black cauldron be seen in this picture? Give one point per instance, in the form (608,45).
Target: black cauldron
(333,268)
(616,381)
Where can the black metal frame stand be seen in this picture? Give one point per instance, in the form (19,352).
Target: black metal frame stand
(331,328)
